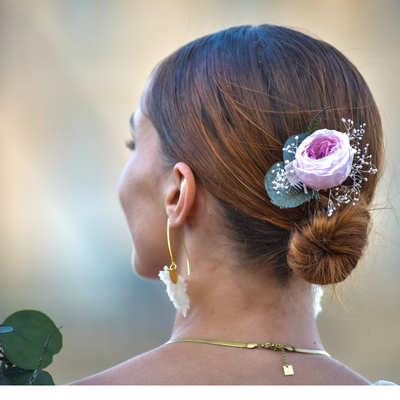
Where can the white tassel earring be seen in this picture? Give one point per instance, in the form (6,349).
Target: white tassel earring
(176,285)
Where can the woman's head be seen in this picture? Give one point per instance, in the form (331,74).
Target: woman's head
(226,103)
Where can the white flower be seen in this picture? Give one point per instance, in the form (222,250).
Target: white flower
(176,291)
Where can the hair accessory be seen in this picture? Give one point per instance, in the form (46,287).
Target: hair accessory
(320,160)
(287,369)
(176,285)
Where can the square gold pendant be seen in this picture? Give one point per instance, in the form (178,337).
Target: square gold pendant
(288,370)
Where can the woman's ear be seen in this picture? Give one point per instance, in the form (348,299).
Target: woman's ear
(181,194)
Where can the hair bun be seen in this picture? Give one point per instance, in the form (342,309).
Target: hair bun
(325,250)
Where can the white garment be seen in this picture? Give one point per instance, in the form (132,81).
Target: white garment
(318,292)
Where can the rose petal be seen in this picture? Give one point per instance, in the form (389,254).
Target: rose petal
(329,170)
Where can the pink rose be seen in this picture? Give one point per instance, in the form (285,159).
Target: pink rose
(323,160)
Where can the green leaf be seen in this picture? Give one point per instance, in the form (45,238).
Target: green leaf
(314,122)
(286,195)
(5,329)
(4,380)
(23,346)
(290,147)
(20,376)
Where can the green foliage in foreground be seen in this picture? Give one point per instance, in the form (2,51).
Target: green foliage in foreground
(28,341)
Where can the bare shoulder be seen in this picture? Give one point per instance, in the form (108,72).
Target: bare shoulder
(146,369)
(333,372)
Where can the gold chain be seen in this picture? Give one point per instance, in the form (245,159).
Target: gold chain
(287,369)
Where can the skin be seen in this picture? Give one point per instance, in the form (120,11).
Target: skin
(226,303)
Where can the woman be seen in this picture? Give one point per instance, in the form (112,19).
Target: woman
(211,128)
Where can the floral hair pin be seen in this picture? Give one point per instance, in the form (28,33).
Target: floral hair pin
(320,160)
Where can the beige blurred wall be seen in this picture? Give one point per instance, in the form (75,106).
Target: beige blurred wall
(71,73)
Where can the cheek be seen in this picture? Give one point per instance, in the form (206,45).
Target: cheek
(123,187)
(134,185)
(137,190)
(146,218)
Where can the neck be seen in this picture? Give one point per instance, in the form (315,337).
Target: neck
(241,308)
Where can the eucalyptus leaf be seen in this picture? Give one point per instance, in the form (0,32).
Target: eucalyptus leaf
(23,346)
(4,380)
(286,196)
(20,376)
(290,147)
(5,329)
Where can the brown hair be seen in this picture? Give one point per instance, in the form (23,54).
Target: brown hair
(225,105)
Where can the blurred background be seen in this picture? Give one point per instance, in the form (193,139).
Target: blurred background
(71,74)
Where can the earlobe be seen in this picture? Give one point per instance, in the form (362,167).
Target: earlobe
(181,195)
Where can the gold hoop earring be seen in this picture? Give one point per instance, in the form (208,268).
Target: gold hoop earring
(173,274)
(176,285)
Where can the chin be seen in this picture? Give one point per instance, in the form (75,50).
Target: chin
(141,268)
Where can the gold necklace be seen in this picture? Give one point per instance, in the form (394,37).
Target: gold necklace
(287,369)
